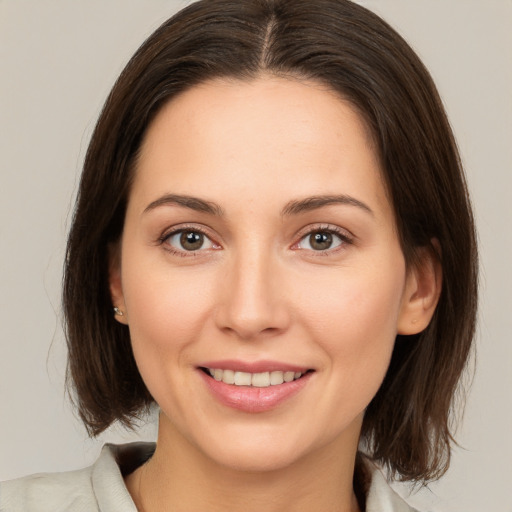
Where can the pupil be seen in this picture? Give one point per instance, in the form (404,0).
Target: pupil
(321,241)
(191,240)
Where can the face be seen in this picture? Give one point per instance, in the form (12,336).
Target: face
(260,271)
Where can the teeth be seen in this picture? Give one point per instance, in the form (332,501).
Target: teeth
(242,378)
(289,376)
(276,378)
(258,380)
(261,380)
(228,376)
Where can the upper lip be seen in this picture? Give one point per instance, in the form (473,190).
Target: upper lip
(254,366)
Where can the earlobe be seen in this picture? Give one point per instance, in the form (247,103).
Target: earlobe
(422,291)
(116,286)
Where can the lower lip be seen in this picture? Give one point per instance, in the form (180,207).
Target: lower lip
(254,399)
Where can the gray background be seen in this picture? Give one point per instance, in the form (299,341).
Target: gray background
(58,60)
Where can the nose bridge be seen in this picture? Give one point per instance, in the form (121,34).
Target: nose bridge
(252,299)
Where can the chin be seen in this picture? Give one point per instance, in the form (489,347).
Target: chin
(269,448)
(254,459)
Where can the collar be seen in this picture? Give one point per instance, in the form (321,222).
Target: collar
(117,461)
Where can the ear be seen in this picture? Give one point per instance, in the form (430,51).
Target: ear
(422,290)
(116,285)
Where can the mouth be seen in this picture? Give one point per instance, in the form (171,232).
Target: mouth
(257,380)
(255,387)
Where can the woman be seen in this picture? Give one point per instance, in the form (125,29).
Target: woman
(272,241)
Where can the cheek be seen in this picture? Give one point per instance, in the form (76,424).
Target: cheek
(354,301)
(167,313)
(167,309)
(354,319)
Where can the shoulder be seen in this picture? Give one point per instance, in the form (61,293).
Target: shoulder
(98,487)
(380,496)
(54,492)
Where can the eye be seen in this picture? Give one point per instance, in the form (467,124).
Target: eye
(321,240)
(189,240)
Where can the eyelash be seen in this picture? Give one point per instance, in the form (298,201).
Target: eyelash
(343,235)
(183,253)
(345,238)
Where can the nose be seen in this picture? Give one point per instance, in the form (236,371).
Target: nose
(253,297)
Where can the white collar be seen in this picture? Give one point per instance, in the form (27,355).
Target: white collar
(112,494)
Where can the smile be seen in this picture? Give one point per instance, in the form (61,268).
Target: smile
(254,392)
(258,380)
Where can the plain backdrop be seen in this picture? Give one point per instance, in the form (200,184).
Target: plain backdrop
(58,60)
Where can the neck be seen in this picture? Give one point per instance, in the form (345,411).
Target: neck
(180,478)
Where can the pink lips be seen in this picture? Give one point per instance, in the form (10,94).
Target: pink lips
(253,367)
(253,399)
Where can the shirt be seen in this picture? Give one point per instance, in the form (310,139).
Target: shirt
(101,488)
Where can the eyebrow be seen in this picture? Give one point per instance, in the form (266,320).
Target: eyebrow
(193,203)
(316,202)
(294,207)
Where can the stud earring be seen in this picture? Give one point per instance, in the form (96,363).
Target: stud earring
(117,311)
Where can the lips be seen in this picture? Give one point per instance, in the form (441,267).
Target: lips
(253,387)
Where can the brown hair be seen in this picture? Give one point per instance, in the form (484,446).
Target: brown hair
(407,425)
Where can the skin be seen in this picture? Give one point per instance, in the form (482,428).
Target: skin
(258,290)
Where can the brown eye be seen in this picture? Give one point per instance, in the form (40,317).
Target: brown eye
(191,240)
(321,240)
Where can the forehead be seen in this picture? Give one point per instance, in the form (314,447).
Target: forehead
(266,105)
(298,137)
